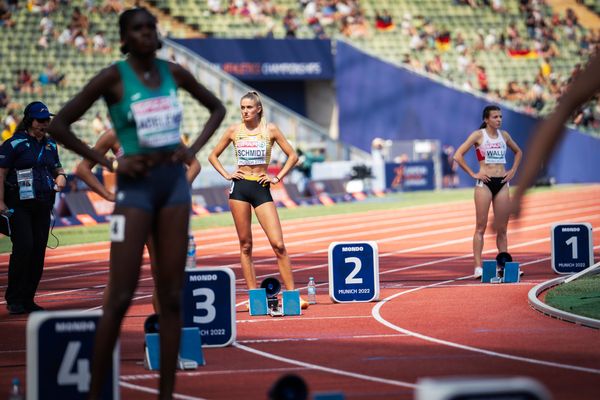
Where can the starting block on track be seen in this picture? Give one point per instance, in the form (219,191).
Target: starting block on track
(59,352)
(265,302)
(291,302)
(511,272)
(489,271)
(190,350)
(501,270)
(257,301)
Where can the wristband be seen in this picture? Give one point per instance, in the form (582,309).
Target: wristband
(278,180)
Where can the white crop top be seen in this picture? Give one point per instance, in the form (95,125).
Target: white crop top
(493,151)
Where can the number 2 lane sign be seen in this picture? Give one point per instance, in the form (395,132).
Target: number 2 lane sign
(353,272)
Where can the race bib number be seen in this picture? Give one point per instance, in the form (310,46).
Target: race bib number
(158,121)
(251,152)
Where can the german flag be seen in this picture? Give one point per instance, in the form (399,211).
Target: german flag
(442,42)
(522,53)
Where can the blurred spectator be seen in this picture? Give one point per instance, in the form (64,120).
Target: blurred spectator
(318,30)
(80,42)
(482,79)
(25,83)
(290,24)
(112,6)
(449,176)
(6,134)
(9,125)
(4,99)
(215,7)
(51,76)
(98,125)
(79,21)
(66,36)
(354,26)
(498,6)
(6,15)
(304,165)
(99,43)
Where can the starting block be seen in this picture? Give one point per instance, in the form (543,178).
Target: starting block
(190,350)
(511,272)
(489,271)
(291,302)
(257,300)
(500,270)
(261,305)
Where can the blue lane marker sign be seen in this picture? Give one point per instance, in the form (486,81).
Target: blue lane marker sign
(353,272)
(60,345)
(209,304)
(572,247)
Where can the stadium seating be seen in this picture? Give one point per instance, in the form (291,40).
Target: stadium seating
(19,48)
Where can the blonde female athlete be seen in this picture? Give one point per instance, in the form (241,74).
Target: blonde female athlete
(491,185)
(250,184)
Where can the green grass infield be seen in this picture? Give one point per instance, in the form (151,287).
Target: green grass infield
(581,297)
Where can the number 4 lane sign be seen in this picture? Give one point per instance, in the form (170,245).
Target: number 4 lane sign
(572,247)
(353,272)
(59,353)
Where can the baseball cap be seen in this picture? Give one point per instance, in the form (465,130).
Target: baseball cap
(37,110)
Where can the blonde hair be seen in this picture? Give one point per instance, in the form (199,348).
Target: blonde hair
(256,99)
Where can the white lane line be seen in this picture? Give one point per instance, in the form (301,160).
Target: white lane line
(325,369)
(376,312)
(317,339)
(143,377)
(146,389)
(304,318)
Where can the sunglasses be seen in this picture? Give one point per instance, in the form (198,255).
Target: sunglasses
(42,120)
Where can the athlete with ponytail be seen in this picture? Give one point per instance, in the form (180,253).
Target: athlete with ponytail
(491,181)
(250,184)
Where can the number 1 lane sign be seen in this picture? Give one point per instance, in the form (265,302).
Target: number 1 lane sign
(572,247)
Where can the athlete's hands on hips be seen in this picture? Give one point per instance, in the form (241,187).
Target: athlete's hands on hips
(238,174)
(482,177)
(509,175)
(264,179)
(183,154)
(134,166)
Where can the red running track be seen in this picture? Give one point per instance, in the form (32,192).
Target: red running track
(433,319)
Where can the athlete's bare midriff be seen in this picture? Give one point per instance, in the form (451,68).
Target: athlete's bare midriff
(492,170)
(253,169)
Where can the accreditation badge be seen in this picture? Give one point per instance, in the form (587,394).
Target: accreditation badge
(25,182)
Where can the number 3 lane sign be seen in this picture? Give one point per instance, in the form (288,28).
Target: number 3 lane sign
(572,247)
(353,272)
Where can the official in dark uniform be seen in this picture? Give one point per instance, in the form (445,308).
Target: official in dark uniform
(30,176)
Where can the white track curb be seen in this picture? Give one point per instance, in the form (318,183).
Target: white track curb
(544,308)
